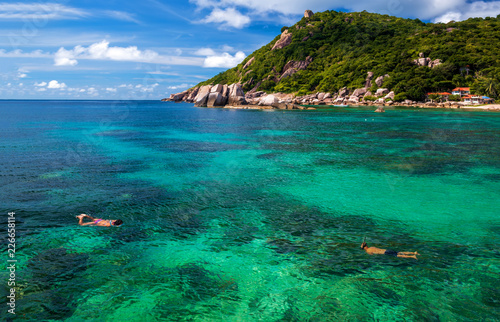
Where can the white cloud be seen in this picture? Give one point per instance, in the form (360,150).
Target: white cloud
(177,60)
(469,10)
(65,57)
(41,84)
(224,60)
(20,54)
(447,17)
(147,88)
(120,15)
(282,10)
(112,90)
(286,7)
(205,52)
(158,72)
(22,73)
(102,51)
(205,3)
(38,11)
(172,12)
(228,17)
(181,86)
(53,84)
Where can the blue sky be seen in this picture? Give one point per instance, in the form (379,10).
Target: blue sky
(148,49)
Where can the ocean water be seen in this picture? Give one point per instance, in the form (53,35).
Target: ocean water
(242,215)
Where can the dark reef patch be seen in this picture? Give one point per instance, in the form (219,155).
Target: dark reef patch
(197,283)
(283,246)
(183,222)
(56,265)
(52,274)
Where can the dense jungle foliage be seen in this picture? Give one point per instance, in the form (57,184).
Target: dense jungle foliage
(345,46)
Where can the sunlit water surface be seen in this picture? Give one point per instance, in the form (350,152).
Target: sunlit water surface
(241,215)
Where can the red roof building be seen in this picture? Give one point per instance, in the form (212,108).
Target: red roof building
(461,91)
(473,99)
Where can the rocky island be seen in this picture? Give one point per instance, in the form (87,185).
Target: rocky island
(356,59)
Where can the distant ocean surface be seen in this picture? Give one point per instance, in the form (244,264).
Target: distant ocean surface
(243,215)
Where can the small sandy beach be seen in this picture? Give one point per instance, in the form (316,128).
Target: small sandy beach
(495,107)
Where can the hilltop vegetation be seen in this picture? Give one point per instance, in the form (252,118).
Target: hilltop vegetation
(338,49)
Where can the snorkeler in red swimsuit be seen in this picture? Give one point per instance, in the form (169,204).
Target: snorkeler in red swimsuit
(97,221)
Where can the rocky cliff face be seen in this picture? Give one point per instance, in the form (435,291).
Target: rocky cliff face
(294,66)
(423,61)
(249,62)
(285,40)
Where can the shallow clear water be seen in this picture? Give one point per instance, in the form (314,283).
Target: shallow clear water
(241,215)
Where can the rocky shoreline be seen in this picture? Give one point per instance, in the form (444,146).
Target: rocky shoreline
(233,96)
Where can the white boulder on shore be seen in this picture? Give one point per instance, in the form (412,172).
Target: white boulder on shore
(269,100)
(215,99)
(389,96)
(217,88)
(381,92)
(359,92)
(236,95)
(202,97)
(218,95)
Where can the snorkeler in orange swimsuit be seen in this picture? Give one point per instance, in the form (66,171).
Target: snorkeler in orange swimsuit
(389,252)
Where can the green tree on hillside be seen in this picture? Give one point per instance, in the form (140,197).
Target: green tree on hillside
(488,86)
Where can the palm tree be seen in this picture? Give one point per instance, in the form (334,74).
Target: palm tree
(486,85)
(491,87)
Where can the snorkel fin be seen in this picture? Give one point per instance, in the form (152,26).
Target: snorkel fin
(364,243)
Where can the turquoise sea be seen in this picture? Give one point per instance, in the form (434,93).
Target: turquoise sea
(244,215)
